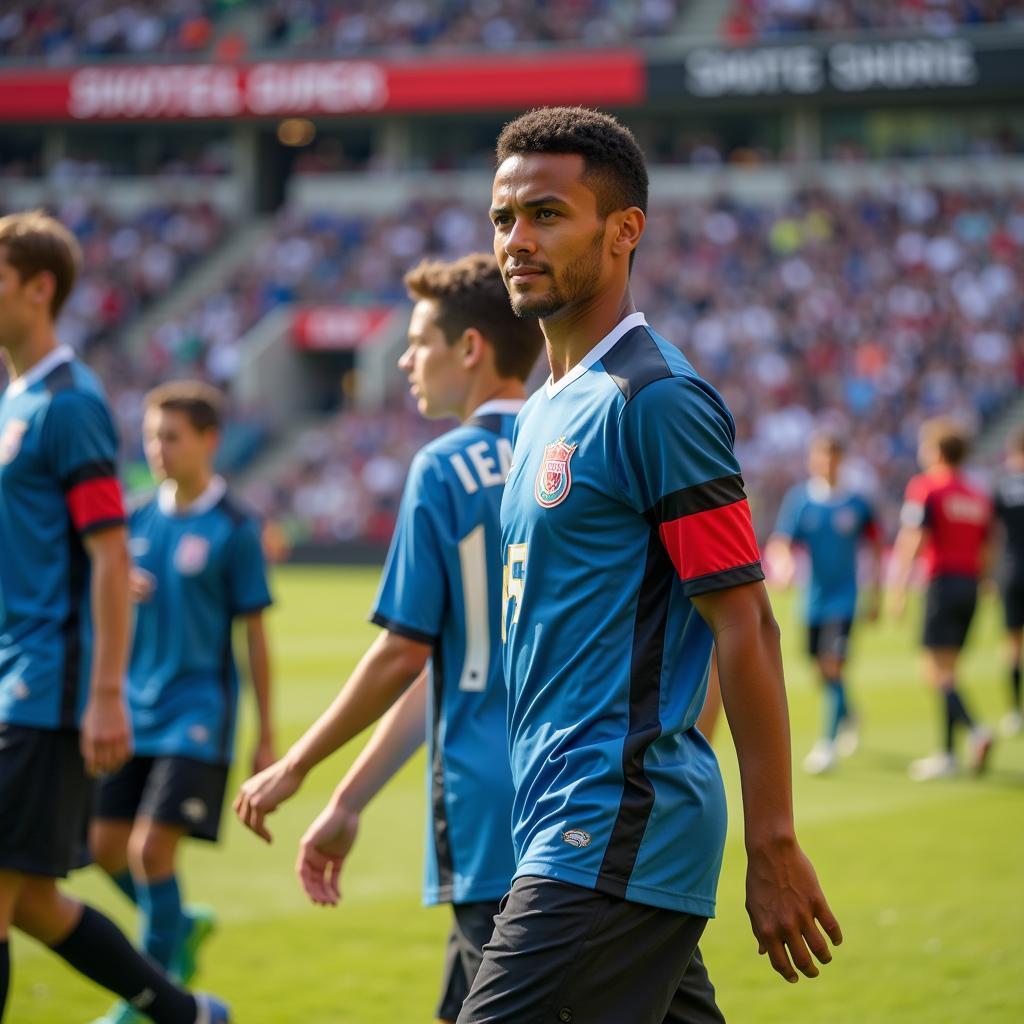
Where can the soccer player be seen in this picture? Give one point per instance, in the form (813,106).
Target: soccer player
(439,602)
(1009,510)
(64,625)
(629,550)
(198,567)
(831,524)
(945,520)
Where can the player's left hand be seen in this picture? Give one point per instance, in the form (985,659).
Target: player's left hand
(263,756)
(263,794)
(322,852)
(105,734)
(786,907)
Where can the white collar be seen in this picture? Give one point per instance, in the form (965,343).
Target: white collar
(54,358)
(214,492)
(601,349)
(818,489)
(499,407)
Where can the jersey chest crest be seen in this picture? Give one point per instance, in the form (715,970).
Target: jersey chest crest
(191,554)
(554,477)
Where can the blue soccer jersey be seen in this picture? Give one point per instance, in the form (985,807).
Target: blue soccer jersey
(830,525)
(58,449)
(206,566)
(442,586)
(623,503)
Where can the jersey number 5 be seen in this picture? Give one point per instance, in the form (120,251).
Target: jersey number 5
(512,580)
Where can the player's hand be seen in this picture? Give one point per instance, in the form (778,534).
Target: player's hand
(872,609)
(322,852)
(788,910)
(141,585)
(263,756)
(264,793)
(105,737)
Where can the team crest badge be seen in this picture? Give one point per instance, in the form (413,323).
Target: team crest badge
(554,477)
(10,440)
(192,554)
(576,837)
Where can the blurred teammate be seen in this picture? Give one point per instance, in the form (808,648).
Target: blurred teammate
(946,520)
(198,567)
(64,625)
(628,551)
(830,524)
(439,602)
(1009,510)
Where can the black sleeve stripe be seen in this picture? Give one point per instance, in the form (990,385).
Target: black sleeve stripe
(634,362)
(726,490)
(751,573)
(402,630)
(100,524)
(102,469)
(251,609)
(490,422)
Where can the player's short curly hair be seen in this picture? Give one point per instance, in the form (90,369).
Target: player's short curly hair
(36,243)
(611,155)
(469,292)
(201,403)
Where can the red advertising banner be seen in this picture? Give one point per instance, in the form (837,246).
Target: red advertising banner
(312,88)
(337,328)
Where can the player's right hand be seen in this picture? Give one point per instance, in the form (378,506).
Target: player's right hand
(322,852)
(141,585)
(264,793)
(105,737)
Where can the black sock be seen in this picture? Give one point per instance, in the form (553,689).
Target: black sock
(1015,686)
(98,949)
(5,974)
(948,718)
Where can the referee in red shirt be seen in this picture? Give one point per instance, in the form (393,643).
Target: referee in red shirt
(946,521)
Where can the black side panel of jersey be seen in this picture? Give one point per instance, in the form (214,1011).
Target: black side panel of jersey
(442,839)
(232,509)
(60,378)
(226,665)
(635,361)
(644,721)
(490,421)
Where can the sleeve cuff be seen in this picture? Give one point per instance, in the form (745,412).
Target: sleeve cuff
(752,573)
(409,632)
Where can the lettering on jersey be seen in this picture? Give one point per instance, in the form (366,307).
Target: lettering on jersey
(192,554)
(10,440)
(576,837)
(962,508)
(488,472)
(554,478)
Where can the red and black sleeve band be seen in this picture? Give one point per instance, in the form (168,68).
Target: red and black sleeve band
(93,496)
(709,535)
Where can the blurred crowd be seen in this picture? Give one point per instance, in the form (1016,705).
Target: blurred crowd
(765,19)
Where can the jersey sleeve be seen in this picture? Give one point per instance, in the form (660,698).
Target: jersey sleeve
(681,474)
(788,522)
(247,569)
(80,443)
(412,595)
(914,513)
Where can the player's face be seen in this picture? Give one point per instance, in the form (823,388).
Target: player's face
(823,461)
(437,379)
(18,310)
(549,238)
(175,450)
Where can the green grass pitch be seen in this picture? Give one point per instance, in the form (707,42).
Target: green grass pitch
(927,880)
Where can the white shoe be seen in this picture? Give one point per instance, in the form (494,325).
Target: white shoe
(935,766)
(981,747)
(1011,723)
(848,737)
(822,758)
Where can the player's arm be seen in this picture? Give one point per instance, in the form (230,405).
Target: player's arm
(383,674)
(784,900)
(259,670)
(905,550)
(329,839)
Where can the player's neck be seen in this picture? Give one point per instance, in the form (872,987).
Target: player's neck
(34,347)
(500,390)
(188,490)
(573,332)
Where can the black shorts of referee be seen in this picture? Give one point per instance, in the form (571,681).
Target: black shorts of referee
(949,610)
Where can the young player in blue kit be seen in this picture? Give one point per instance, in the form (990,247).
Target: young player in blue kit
(64,626)
(628,551)
(832,525)
(198,567)
(439,603)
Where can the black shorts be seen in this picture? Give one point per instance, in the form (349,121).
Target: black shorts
(45,799)
(830,638)
(472,926)
(1013,603)
(948,611)
(562,954)
(177,791)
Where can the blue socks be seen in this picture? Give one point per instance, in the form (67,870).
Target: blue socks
(836,707)
(163,923)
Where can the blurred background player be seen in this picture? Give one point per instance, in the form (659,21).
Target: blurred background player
(439,601)
(831,525)
(64,626)
(198,567)
(1009,511)
(946,521)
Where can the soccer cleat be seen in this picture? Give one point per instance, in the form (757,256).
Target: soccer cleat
(121,1013)
(935,766)
(848,737)
(200,924)
(981,747)
(822,758)
(1011,723)
(210,1010)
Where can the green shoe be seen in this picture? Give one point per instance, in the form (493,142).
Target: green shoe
(200,924)
(121,1013)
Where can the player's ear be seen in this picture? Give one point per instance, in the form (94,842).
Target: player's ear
(41,287)
(627,228)
(473,346)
